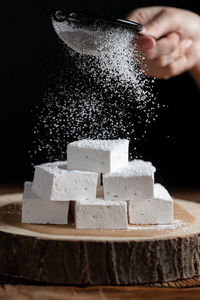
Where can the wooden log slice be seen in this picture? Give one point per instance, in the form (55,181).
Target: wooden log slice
(65,255)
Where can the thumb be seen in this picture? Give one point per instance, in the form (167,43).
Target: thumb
(162,24)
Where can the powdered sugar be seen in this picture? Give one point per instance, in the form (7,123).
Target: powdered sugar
(101,97)
(84,38)
(161,193)
(104,145)
(176,224)
(59,168)
(131,171)
(135,167)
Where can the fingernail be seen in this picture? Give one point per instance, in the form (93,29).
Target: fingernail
(186,43)
(146,43)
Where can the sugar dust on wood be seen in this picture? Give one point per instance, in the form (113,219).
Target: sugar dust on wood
(104,96)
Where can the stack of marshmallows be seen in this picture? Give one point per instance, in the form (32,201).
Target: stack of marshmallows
(109,191)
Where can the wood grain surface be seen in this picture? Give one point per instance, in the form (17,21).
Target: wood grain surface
(179,289)
(65,255)
(22,292)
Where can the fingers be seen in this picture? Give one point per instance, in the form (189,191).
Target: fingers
(163,61)
(152,49)
(172,66)
(166,62)
(144,15)
(170,43)
(157,21)
(177,67)
(163,52)
(161,25)
(185,61)
(144,42)
(193,52)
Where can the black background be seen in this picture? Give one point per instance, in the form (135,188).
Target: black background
(30,48)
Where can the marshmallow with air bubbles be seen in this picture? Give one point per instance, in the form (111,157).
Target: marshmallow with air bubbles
(101,214)
(41,211)
(53,181)
(101,156)
(152,211)
(131,182)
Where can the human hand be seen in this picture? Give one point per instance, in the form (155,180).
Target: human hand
(171,40)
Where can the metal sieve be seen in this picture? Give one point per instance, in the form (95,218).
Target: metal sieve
(86,33)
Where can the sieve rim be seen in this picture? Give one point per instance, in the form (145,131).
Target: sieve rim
(73,15)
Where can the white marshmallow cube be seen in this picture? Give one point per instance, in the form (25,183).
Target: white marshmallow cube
(129,183)
(40,211)
(101,214)
(152,211)
(52,181)
(101,156)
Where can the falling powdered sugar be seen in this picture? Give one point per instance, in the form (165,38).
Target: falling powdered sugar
(105,96)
